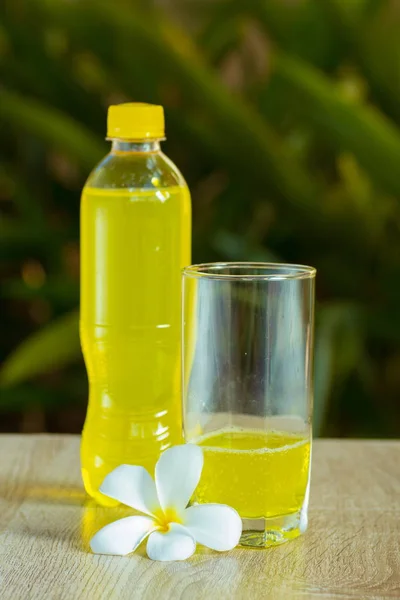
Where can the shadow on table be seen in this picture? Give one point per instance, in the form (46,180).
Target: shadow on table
(35,492)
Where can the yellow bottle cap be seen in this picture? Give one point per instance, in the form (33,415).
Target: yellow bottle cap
(135,121)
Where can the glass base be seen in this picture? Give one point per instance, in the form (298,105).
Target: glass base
(263,533)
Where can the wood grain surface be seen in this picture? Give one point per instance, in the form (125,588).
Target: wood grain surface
(351,550)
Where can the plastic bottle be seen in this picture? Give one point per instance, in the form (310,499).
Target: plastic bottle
(135,239)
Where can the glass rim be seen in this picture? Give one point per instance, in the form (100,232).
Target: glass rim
(210,271)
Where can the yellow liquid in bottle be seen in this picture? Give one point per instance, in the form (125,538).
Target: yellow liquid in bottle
(260,474)
(133,246)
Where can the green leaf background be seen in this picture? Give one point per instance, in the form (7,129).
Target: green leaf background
(284,118)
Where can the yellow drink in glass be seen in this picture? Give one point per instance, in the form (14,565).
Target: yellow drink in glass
(260,474)
(247,391)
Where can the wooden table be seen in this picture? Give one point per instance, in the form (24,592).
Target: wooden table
(351,550)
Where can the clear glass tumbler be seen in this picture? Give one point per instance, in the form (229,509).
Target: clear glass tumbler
(248,391)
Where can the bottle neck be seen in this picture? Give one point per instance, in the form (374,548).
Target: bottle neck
(136,146)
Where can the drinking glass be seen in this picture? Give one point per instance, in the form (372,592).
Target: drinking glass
(248,391)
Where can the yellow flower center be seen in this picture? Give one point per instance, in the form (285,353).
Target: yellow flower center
(166,517)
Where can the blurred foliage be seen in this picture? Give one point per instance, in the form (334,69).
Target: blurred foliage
(284,117)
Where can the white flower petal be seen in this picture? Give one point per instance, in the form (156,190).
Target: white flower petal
(216,526)
(132,486)
(122,537)
(175,544)
(177,475)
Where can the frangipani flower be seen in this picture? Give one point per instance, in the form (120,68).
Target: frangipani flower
(172,528)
